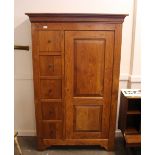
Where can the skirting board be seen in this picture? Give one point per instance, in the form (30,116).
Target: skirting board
(123,77)
(33,133)
(26,132)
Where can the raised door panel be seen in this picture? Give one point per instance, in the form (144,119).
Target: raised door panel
(88,76)
(87,118)
(88,67)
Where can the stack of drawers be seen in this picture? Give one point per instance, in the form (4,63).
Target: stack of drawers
(51,76)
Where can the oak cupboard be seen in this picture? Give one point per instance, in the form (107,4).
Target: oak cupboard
(76,61)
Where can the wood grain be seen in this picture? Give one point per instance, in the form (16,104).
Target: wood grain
(76,62)
(50,66)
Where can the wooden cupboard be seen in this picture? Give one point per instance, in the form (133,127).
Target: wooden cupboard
(76,61)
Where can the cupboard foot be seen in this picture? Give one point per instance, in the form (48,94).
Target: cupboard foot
(40,145)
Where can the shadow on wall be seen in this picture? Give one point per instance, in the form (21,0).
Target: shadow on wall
(22,33)
(24,114)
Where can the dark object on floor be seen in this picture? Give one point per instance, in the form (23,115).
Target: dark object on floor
(28,146)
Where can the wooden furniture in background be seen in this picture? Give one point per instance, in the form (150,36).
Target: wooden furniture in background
(130,117)
(76,62)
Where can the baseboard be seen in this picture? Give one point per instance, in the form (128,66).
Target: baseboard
(118,133)
(23,76)
(33,133)
(26,132)
(134,78)
(123,77)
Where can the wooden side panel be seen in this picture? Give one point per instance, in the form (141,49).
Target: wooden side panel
(122,113)
(35,55)
(115,85)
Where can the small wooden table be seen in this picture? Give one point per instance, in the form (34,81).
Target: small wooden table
(130,116)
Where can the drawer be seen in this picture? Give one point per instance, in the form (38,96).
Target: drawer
(50,65)
(51,89)
(52,130)
(52,110)
(50,41)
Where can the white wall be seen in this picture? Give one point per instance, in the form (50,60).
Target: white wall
(24,102)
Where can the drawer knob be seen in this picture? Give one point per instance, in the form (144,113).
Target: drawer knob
(50,90)
(49,41)
(50,66)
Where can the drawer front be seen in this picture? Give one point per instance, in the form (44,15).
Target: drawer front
(52,110)
(50,81)
(50,41)
(52,130)
(50,65)
(51,89)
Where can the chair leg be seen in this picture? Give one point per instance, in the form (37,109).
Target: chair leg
(18,146)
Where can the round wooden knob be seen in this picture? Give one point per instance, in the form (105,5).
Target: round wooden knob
(50,66)
(50,90)
(49,41)
(50,112)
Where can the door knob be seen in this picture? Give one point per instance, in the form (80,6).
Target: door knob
(50,90)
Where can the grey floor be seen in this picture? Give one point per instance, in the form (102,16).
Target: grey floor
(28,146)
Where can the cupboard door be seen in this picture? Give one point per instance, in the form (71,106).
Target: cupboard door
(88,77)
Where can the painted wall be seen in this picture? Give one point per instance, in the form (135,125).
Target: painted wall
(24,101)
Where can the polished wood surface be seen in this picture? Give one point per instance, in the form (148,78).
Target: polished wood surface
(50,66)
(50,89)
(133,140)
(76,60)
(75,17)
(52,111)
(50,41)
